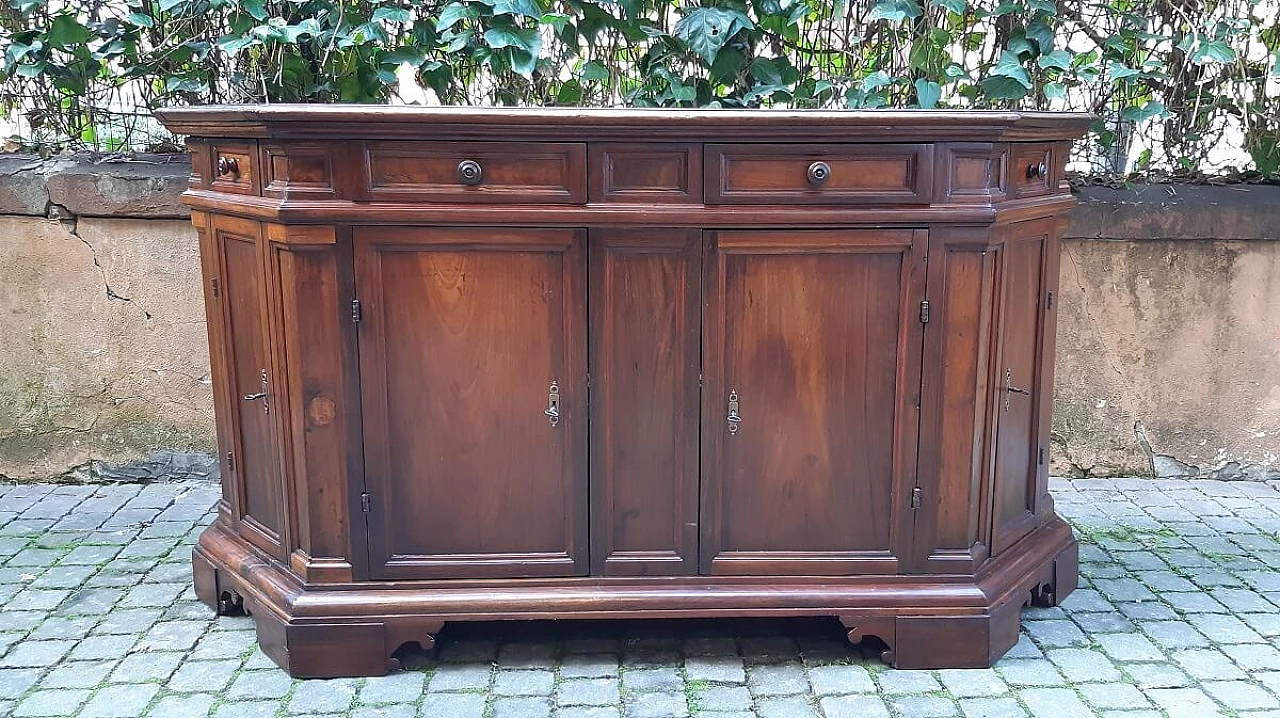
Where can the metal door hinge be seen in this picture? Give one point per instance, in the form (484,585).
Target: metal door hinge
(217,291)
(916,494)
(1042,456)
(231,461)
(1048,301)
(364,502)
(924,312)
(356,312)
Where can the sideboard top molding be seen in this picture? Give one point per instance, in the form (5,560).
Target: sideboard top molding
(312,122)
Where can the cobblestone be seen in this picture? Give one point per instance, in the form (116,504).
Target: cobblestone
(1177,615)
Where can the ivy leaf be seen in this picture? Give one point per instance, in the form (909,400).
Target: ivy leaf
(928,93)
(1055,91)
(1119,72)
(528,40)
(1002,87)
(1213,51)
(66,31)
(1060,59)
(875,81)
(1047,7)
(256,8)
(1010,67)
(233,44)
(895,11)
(955,6)
(389,14)
(706,29)
(523,8)
(453,13)
(1148,110)
(1040,32)
(138,19)
(523,62)
(387,77)
(595,71)
(1008,79)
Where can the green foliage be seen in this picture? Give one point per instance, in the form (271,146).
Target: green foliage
(1182,73)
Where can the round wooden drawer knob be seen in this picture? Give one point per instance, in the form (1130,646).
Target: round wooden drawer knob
(470,172)
(1038,170)
(228,166)
(819,173)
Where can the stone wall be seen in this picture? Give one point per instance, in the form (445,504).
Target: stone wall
(1169,335)
(1168,362)
(104,370)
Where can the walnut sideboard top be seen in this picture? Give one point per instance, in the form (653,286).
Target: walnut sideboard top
(495,364)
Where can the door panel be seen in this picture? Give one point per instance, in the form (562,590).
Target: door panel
(463,333)
(250,390)
(1019,400)
(644,434)
(812,341)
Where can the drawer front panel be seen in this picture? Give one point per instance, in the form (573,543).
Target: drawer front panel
(234,169)
(646,173)
(1031,170)
(819,174)
(541,172)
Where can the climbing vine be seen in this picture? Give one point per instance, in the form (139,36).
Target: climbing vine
(1170,80)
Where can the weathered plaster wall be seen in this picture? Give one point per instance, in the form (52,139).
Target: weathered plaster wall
(1168,364)
(104,368)
(1168,336)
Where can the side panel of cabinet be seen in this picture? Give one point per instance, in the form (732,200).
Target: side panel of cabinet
(1023,385)
(250,388)
(956,403)
(466,335)
(644,376)
(311,291)
(812,344)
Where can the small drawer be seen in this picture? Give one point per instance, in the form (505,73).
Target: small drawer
(645,173)
(233,168)
(819,174)
(516,172)
(1031,170)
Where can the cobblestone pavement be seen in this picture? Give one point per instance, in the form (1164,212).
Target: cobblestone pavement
(1178,615)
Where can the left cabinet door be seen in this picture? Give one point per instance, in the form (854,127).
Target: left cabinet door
(473,384)
(245,380)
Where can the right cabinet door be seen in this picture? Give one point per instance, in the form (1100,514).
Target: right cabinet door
(811,356)
(1024,383)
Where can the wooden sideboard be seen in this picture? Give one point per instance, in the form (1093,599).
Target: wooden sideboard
(549,364)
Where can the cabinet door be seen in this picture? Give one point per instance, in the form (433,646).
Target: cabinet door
(245,382)
(472,347)
(1024,383)
(811,363)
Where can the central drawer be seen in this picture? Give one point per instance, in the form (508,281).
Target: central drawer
(818,174)
(516,172)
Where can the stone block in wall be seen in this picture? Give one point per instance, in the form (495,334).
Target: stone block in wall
(140,185)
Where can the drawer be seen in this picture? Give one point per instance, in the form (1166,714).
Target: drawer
(1031,170)
(819,174)
(234,168)
(541,172)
